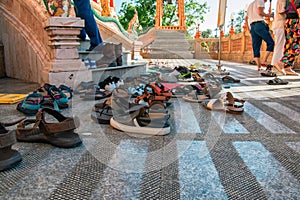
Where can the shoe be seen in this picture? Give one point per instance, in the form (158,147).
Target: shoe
(291,72)
(8,156)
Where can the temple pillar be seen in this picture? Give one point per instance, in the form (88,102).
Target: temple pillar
(158,16)
(181,15)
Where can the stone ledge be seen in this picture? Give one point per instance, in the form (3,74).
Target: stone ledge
(122,72)
(65,22)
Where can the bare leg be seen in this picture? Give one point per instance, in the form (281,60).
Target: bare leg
(279,66)
(257,60)
(265,58)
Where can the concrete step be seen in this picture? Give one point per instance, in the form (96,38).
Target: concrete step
(84,45)
(175,47)
(91,55)
(160,54)
(124,71)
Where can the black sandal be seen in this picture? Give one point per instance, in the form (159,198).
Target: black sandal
(277,81)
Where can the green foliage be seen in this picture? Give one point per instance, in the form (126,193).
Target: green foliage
(126,14)
(238,22)
(147,9)
(146,12)
(207,33)
(194,11)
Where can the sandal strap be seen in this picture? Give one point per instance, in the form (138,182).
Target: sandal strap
(22,131)
(64,124)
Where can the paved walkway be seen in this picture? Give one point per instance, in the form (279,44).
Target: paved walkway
(207,155)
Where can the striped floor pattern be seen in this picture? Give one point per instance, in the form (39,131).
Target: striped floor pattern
(207,155)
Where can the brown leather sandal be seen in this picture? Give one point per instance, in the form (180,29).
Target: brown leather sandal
(60,134)
(8,157)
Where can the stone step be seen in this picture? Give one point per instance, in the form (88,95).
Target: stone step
(90,55)
(170,45)
(160,54)
(124,71)
(84,45)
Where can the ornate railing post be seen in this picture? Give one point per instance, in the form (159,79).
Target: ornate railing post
(63,43)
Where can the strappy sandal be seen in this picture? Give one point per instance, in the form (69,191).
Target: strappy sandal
(181,91)
(233,101)
(8,156)
(60,134)
(221,105)
(150,97)
(31,104)
(102,112)
(268,73)
(197,77)
(195,97)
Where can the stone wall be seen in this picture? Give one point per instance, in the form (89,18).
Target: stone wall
(24,39)
(236,47)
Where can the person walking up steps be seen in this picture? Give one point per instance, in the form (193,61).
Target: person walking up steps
(84,11)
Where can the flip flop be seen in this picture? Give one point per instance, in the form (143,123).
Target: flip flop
(277,81)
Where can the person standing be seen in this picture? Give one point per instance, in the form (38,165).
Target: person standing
(292,39)
(278,31)
(259,30)
(84,11)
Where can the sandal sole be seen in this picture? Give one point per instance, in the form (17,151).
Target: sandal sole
(139,129)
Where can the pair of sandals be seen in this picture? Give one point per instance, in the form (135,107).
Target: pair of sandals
(226,103)
(46,96)
(155,92)
(60,134)
(127,116)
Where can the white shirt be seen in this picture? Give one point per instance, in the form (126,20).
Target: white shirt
(279,19)
(252,11)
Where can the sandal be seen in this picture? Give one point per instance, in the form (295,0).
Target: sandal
(31,104)
(96,94)
(220,105)
(268,73)
(232,101)
(230,79)
(102,112)
(181,91)
(8,157)
(195,98)
(277,81)
(141,122)
(60,134)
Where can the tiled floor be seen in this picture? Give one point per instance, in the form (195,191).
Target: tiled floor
(207,155)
